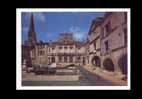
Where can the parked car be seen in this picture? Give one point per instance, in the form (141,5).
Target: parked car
(52,68)
(45,69)
(39,69)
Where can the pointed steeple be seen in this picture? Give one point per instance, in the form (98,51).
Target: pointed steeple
(31,28)
(31,32)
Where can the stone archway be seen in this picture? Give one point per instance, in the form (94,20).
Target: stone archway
(96,61)
(123,63)
(83,61)
(108,64)
(53,59)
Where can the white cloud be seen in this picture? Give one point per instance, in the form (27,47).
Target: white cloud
(78,34)
(74,29)
(39,16)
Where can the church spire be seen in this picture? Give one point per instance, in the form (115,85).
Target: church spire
(31,28)
(31,32)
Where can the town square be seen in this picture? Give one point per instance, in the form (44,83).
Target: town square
(74,48)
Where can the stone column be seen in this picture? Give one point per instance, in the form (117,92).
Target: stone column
(56,59)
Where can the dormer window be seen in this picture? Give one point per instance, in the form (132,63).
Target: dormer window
(108,27)
(60,47)
(53,48)
(71,47)
(65,47)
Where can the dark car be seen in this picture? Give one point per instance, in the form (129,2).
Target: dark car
(38,69)
(51,70)
(44,69)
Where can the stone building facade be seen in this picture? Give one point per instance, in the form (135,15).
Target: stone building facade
(108,42)
(64,51)
(106,47)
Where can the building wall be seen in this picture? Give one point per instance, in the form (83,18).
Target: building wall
(107,40)
(94,42)
(116,44)
(69,53)
(112,40)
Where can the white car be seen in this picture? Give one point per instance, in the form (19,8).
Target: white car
(53,65)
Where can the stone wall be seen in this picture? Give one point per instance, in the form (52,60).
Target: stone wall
(111,41)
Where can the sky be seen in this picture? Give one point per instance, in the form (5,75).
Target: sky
(48,25)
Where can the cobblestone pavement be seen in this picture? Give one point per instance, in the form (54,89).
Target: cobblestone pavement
(112,77)
(84,78)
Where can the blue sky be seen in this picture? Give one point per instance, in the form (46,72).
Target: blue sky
(48,25)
